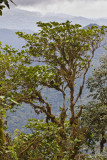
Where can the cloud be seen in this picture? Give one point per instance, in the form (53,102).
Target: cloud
(47,2)
(85,8)
(32,2)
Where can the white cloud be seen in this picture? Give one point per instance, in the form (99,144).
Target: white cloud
(85,8)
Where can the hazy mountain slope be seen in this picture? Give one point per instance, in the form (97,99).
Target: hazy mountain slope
(20,19)
(8,36)
(90,25)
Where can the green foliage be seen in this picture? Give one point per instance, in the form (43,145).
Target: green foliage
(95,114)
(95,120)
(96,157)
(7,64)
(3,4)
(65,52)
(97,83)
(54,58)
(45,142)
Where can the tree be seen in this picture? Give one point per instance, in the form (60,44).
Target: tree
(95,116)
(95,119)
(6,101)
(6,4)
(97,83)
(64,49)
(7,62)
(64,52)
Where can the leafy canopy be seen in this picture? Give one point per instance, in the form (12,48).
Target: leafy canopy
(64,52)
(55,57)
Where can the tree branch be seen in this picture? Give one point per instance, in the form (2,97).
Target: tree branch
(84,76)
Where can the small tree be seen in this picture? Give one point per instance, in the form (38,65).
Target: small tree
(95,116)
(95,119)
(97,83)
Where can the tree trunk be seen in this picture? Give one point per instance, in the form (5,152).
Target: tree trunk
(2,136)
(102,142)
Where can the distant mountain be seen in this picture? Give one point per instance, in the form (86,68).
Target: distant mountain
(20,19)
(90,25)
(8,36)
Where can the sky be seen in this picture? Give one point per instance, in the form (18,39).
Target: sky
(85,8)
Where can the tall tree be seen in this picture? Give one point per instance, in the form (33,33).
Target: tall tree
(65,51)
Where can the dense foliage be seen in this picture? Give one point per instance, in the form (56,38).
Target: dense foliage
(98,82)
(95,116)
(53,58)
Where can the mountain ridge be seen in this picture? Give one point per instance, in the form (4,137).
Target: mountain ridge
(20,19)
